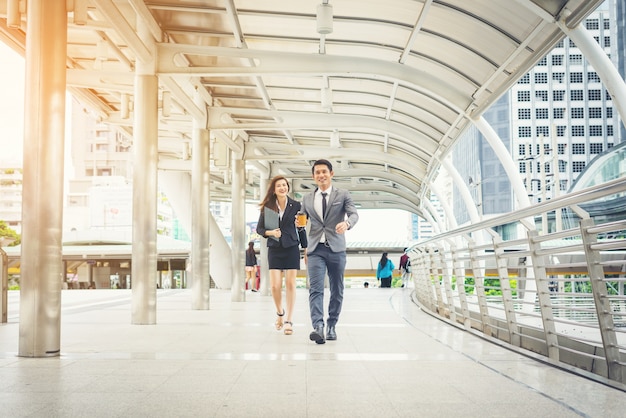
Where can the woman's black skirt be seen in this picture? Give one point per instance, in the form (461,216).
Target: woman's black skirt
(280,258)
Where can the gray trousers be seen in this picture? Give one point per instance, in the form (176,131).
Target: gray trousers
(321,261)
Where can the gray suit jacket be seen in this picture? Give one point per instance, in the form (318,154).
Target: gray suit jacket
(339,208)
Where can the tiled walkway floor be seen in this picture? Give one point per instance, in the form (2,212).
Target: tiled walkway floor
(390,360)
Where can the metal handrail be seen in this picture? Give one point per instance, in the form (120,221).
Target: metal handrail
(528,291)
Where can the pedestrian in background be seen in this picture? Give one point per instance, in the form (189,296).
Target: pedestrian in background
(251,262)
(384,271)
(405,268)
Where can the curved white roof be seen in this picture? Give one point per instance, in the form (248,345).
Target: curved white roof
(394,84)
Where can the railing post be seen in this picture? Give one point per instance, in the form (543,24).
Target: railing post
(601,302)
(507,295)
(459,272)
(434,272)
(4,282)
(447,284)
(478,272)
(543,295)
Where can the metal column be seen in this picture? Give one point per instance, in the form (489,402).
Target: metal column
(145,158)
(265,269)
(42,198)
(200,197)
(238,256)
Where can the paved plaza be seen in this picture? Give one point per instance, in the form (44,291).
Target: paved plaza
(390,360)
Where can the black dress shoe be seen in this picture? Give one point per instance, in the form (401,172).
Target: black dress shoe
(332,335)
(317,335)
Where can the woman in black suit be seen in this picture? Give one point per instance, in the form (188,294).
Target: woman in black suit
(283,246)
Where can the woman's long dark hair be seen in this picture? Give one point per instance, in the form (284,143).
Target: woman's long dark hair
(269,201)
(383,260)
(250,249)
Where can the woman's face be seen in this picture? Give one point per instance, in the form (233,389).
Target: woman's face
(281,188)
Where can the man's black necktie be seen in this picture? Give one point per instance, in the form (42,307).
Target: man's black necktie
(324,204)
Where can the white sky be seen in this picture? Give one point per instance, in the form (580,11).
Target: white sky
(374,224)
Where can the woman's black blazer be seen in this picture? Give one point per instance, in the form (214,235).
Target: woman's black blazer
(290,235)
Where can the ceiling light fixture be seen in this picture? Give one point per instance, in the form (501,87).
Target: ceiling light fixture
(327,99)
(335,140)
(324,18)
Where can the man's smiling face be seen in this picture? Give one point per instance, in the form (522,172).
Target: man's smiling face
(322,176)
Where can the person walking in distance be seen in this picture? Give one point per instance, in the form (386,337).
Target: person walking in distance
(283,241)
(331,213)
(405,268)
(384,271)
(251,267)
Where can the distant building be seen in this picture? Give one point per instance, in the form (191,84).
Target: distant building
(554,121)
(11,194)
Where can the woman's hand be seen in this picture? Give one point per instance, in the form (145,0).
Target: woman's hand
(276,232)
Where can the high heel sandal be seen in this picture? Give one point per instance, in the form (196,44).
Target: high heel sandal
(279,320)
(288,328)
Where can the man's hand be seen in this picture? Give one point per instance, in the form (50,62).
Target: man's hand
(341,227)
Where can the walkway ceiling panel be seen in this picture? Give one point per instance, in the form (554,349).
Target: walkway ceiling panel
(397,80)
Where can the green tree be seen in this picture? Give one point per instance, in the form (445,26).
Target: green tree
(5,231)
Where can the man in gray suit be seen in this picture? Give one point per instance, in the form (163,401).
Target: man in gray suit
(331,212)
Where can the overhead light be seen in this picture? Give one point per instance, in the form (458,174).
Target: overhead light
(324,19)
(335,141)
(327,98)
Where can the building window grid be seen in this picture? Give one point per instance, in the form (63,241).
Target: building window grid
(578,166)
(578,149)
(576,77)
(523,114)
(595,113)
(576,113)
(542,113)
(595,130)
(595,148)
(593,77)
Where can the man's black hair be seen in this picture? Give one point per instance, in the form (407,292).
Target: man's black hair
(322,162)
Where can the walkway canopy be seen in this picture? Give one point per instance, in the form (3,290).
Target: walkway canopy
(382,89)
